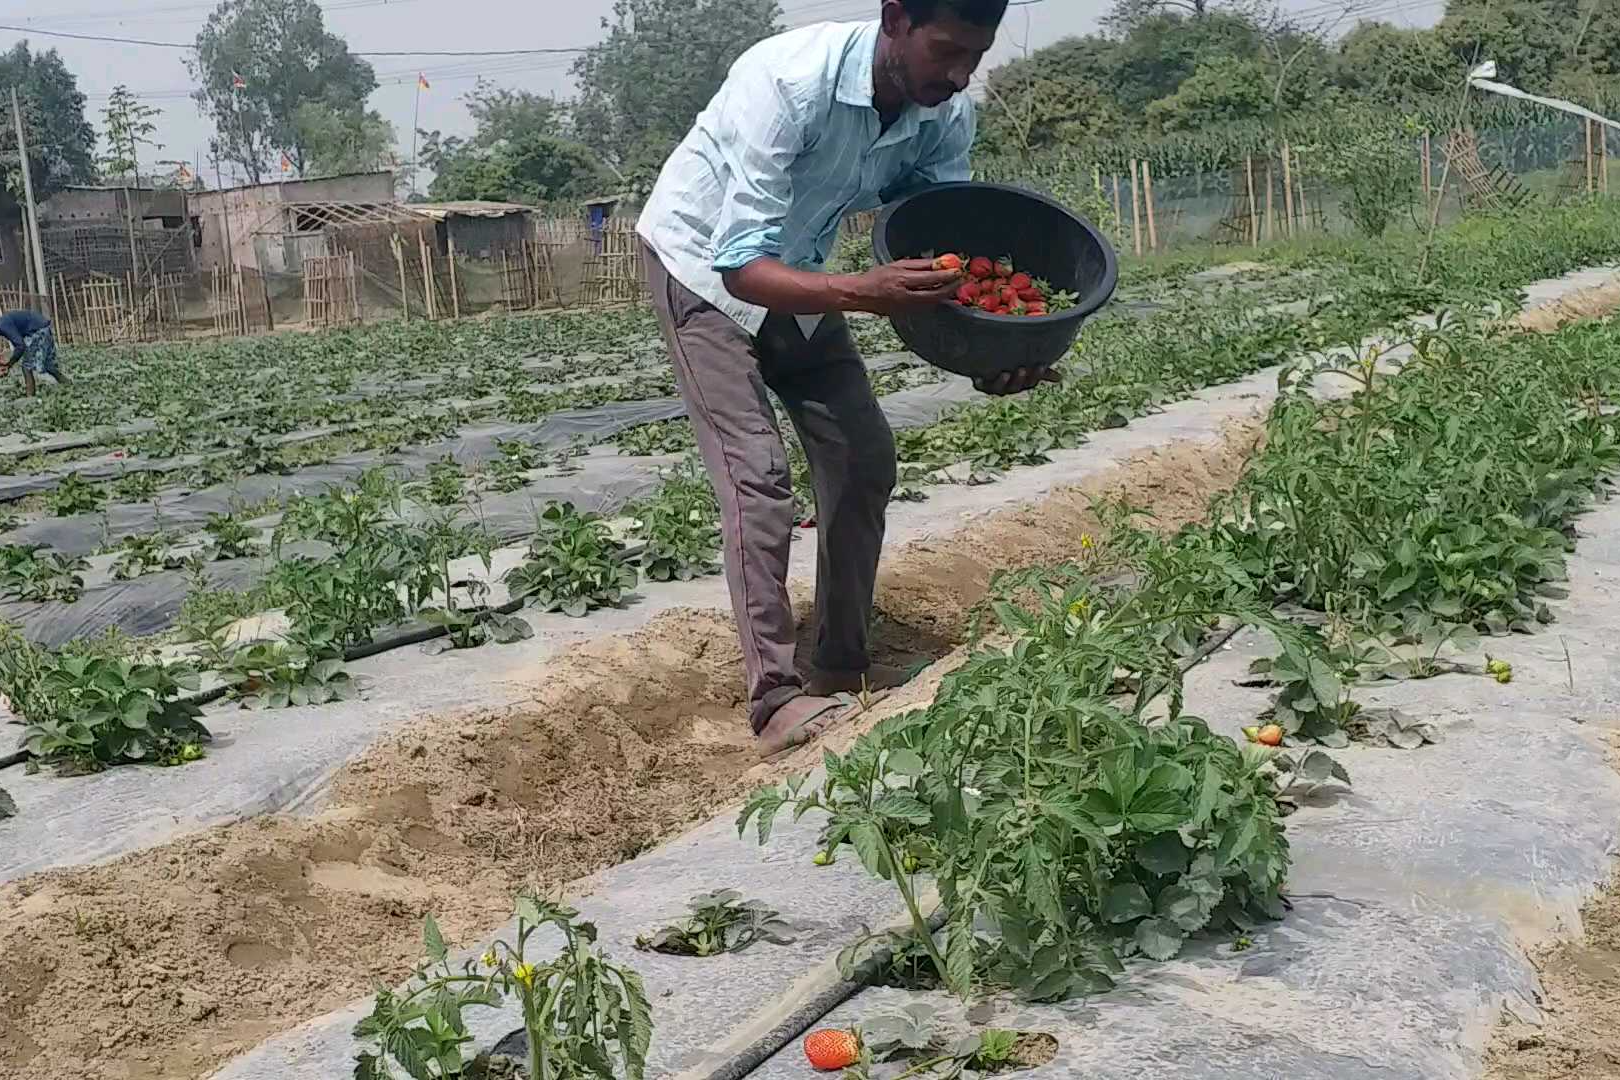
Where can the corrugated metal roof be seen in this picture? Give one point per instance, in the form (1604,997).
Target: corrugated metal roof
(468,208)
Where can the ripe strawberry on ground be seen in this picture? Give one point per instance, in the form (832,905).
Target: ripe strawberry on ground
(828,1050)
(1270,735)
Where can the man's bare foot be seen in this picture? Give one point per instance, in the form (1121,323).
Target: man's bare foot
(804,719)
(876,677)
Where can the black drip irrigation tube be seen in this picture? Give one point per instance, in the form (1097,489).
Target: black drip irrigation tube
(821,993)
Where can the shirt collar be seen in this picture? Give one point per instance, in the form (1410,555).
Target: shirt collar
(855,77)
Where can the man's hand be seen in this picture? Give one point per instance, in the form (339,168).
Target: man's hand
(906,285)
(1017,381)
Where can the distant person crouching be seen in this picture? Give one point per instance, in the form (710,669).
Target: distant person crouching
(32,343)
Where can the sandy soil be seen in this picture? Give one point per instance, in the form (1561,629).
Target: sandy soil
(1580,980)
(1597,302)
(1579,1037)
(171,960)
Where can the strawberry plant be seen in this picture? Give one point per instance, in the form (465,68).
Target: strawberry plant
(466,625)
(344,599)
(342,516)
(229,537)
(445,485)
(75,495)
(583,1016)
(148,553)
(659,437)
(277,675)
(33,572)
(574,564)
(107,711)
(509,472)
(720,922)
(678,528)
(133,487)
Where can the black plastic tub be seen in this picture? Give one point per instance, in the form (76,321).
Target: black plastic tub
(1044,239)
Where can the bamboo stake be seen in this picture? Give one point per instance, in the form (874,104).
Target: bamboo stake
(1288,191)
(399,259)
(1591,178)
(1428,176)
(354,288)
(1271,214)
(1136,210)
(1299,181)
(455,293)
(1119,216)
(429,301)
(1254,217)
(1147,191)
(1603,160)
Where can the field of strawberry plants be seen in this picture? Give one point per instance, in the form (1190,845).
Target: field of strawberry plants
(363,483)
(1072,816)
(200,528)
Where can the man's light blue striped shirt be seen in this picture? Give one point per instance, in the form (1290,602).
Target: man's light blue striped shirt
(790,145)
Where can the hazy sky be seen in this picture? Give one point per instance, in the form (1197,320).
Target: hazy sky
(159,75)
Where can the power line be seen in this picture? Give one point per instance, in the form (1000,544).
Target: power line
(115,40)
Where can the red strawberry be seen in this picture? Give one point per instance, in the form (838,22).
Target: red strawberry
(1022,282)
(948,262)
(1009,295)
(1027,294)
(981,268)
(969,292)
(1035,309)
(829,1050)
(989,301)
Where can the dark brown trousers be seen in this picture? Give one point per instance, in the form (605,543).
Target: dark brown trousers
(723,374)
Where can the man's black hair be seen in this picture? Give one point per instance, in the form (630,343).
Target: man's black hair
(976,12)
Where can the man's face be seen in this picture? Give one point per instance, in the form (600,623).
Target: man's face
(938,58)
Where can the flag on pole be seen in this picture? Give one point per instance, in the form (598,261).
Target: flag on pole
(421,81)
(286,163)
(237,82)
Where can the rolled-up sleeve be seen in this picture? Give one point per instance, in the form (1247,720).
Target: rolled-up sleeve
(759,138)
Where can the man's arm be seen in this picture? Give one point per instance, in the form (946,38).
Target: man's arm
(763,132)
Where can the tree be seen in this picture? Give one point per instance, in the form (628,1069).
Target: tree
(530,168)
(501,114)
(1528,39)
(1058,94)
(61,142)
(520,151)
(1392,66)
(257,62)
(1222,91)
(338,141)
(662,61)
(129,127)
